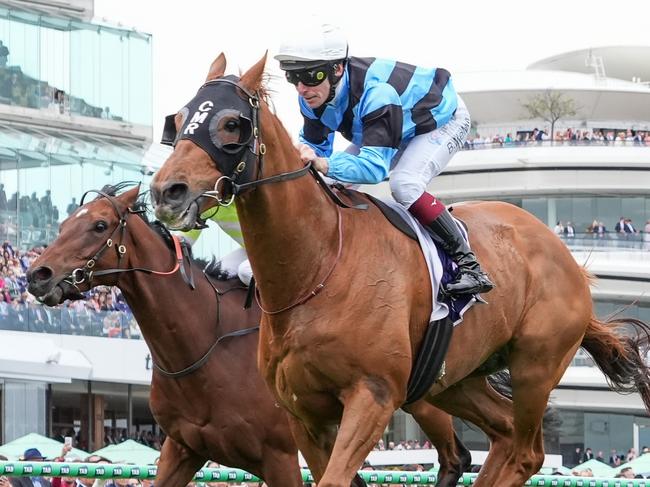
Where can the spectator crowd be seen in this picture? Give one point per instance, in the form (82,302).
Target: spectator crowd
(569,137)
(104,312)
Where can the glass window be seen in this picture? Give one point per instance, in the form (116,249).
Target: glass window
(24,409)
(608,210)
(634,208)
(85,70)
(564,209)
(36,220)
(113,82)
(139,81)
(583,214)
(54,66)
(8,200)
(536,206)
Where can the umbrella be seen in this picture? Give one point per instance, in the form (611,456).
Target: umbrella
(599,468)
(129,451)
(553,470)
(639,465)
(48,447)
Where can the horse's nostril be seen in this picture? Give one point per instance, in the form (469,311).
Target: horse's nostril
(175,193)
(40,274)
(155,194)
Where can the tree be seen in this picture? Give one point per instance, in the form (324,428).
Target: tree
(551,106)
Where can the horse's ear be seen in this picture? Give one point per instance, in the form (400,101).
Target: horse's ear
(252,79)
(217,68)
(129,197)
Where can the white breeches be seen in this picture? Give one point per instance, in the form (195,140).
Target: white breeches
(236,263)
(426,156)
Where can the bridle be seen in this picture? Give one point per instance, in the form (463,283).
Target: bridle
(86,273)
(251,153)
(244,158)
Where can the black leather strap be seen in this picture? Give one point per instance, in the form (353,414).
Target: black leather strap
(331,194)
(430,358)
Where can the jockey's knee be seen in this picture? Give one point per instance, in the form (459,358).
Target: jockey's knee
(245,272)
(405,190)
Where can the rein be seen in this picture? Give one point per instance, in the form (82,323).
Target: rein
(200,362)
(320,286)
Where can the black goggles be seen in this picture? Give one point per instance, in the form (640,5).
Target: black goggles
(308,77)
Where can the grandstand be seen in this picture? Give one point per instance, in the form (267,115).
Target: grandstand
(75,114)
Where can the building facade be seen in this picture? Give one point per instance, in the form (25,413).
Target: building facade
(75,114)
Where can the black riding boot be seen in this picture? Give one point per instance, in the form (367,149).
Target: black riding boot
(470,279)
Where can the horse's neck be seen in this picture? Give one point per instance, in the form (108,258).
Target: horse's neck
(164,306)
(290,228)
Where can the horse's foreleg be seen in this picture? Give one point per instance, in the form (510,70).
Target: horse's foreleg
(281,468)
(453,457)
(177,465)
(474,400)
(366,412)
(315,446)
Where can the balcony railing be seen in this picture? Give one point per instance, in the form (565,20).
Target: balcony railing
(502,144)
(608,241)
(67,320)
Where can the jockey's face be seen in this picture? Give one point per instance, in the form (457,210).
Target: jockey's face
(316,96)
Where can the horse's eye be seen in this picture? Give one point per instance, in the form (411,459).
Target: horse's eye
(101,226)
(231,125)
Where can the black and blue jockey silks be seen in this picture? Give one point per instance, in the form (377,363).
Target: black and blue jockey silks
(379,105)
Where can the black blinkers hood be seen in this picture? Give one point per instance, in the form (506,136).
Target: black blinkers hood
(222,123)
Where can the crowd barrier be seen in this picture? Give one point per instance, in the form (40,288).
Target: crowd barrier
(232,475)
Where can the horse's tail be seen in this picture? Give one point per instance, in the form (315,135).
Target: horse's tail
(619,352)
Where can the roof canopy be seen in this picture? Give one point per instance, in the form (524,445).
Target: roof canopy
(129,451)
(622,62)
(495,97)
(48,447)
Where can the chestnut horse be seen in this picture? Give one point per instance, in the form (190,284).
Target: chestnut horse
(218,408)
(221,410)
(346,297)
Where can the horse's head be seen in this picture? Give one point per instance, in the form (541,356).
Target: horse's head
(215,139)
(93,236)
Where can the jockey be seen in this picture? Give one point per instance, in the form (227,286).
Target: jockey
(235,263)
(400,118)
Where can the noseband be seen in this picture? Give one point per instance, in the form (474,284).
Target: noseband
(86,273)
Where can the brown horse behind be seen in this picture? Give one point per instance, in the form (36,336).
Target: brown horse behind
(222,411)
(347,299)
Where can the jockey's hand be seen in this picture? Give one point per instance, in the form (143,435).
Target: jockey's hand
(321,165)
(306,152)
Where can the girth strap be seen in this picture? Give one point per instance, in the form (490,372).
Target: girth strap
(430,358)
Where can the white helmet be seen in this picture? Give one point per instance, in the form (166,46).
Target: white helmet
(312,45)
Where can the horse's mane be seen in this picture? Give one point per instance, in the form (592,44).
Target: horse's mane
(264,91)
(212,266)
